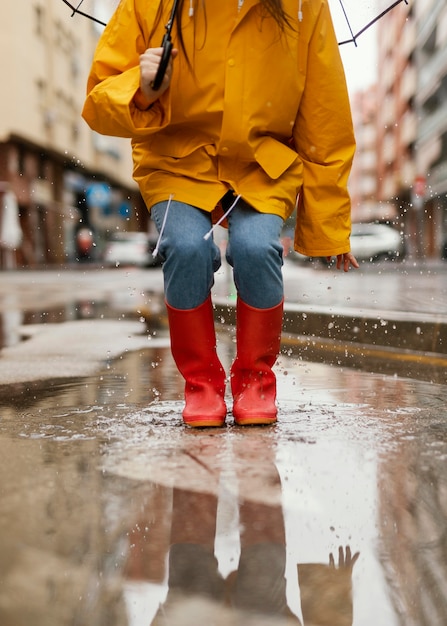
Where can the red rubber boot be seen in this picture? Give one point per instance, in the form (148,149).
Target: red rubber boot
(193,346)
(253,383)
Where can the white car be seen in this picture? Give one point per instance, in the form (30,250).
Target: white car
(130,248)
(371,241)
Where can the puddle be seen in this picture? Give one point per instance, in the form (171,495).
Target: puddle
(112,512)
(16,315)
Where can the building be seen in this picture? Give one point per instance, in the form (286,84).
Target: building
(431,145)
(363,182)
(396,116)
(60,184)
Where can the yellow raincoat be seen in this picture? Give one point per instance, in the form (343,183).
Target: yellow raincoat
(263,112)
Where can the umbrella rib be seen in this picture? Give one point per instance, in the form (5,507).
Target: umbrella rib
(76,10)
(348,23)
(376,19)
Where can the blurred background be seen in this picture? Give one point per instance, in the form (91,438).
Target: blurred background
(66,191)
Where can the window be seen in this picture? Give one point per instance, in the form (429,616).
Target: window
(39,19)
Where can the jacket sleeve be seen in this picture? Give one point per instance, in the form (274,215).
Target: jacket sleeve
(324,139)
(114,79)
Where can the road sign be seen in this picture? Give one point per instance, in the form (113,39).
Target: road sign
(98,195)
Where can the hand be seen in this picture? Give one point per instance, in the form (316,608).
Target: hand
(149,62)
(346,260)
(345,562)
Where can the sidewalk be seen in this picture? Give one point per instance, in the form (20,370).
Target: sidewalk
(400,306)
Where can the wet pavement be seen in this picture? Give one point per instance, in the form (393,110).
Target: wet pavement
(111,512)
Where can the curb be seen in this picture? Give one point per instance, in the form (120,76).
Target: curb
(426,333)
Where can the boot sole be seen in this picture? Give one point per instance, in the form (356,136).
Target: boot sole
(255,421)
(204,423)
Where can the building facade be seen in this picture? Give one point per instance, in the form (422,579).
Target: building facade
(63,188)
(431,144)
(396,116)
(412,124)
(363,182)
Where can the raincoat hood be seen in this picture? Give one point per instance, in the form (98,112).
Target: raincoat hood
(257,109)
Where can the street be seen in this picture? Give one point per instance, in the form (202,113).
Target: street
(112,512)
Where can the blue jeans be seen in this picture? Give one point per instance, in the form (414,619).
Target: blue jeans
(189,260)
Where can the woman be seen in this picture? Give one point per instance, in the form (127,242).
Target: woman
(252,114)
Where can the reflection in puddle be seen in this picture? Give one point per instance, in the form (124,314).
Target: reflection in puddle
(176,555)
(111,512)
(14,317)
(12,321)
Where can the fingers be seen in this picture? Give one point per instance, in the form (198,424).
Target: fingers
(350,260)
(354,559)
(346,261)
(345,559)
(349,560)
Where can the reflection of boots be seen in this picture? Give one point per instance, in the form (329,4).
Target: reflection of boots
(253,383)
(195,587)
(258,588)
(193,346)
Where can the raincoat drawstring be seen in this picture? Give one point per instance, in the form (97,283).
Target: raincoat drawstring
(157,246)
(224,216)
(300,10)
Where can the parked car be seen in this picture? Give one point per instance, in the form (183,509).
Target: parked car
(371,241)
(131,248)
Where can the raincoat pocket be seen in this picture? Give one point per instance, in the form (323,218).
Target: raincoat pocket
(274,157)
(176,146)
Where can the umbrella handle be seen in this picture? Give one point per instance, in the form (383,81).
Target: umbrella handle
(165,57)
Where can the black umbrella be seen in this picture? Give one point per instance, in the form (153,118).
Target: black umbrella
(167,42)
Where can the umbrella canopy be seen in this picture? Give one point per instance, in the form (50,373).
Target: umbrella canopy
(98,12)
(351,17)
